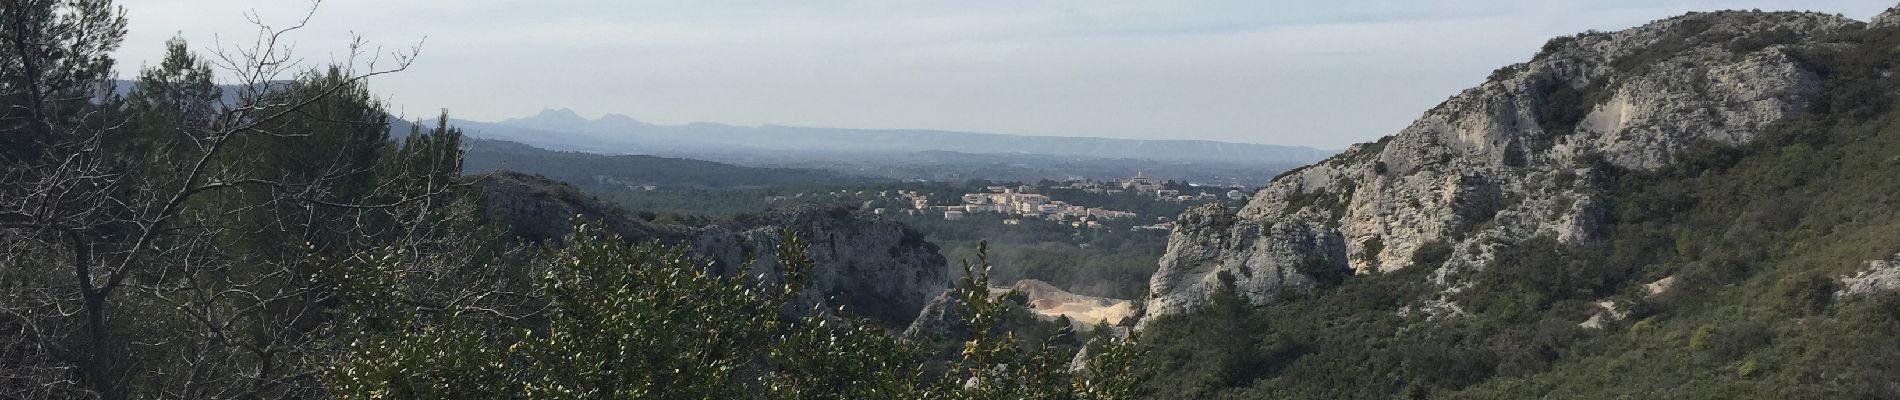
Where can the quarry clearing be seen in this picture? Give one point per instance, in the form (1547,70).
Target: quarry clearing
(1084,312)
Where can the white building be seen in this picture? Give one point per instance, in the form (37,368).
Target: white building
(1141,184)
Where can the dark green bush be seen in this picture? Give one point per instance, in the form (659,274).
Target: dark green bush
(1805,294)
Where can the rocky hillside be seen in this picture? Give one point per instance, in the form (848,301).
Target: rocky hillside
(1686,209)
(1517,157)
(871,267)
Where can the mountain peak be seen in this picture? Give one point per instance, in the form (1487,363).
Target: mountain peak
(559,114)
(557,120)
(566,120)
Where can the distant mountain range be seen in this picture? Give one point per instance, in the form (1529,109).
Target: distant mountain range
(800,155)
(618,134)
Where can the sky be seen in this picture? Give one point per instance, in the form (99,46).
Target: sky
(1310,73)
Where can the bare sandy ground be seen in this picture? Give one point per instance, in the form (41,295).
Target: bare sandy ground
(1084,312)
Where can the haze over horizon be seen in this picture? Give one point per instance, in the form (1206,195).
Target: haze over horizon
(1324,75)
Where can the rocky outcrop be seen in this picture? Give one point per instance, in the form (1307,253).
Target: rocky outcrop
(939,319)
(1879,276)
(1263,259)
(1607,312)
(869,266)
(1513,158)
(1887,19)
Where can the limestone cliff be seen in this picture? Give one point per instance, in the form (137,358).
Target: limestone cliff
(1510,159)
(870,266)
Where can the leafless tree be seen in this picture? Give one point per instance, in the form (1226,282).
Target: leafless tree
(117,277)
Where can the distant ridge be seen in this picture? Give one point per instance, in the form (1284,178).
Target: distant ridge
(782,155)
(488,155)
(619,134)
(564,129)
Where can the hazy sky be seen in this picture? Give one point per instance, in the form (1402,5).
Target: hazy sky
(1315,73)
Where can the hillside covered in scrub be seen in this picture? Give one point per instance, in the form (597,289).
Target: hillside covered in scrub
(283,237)
(1666,211)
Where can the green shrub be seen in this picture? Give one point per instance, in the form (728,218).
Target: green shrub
(1805,294)
(1703,338)
(1372,248)
(1643,327)
(1431,254)
(1564,105)
(1749,368)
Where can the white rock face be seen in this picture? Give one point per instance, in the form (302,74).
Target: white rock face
(1659,287)
(1262,259)
(1511,159)
(1886,19)
(1879,276)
